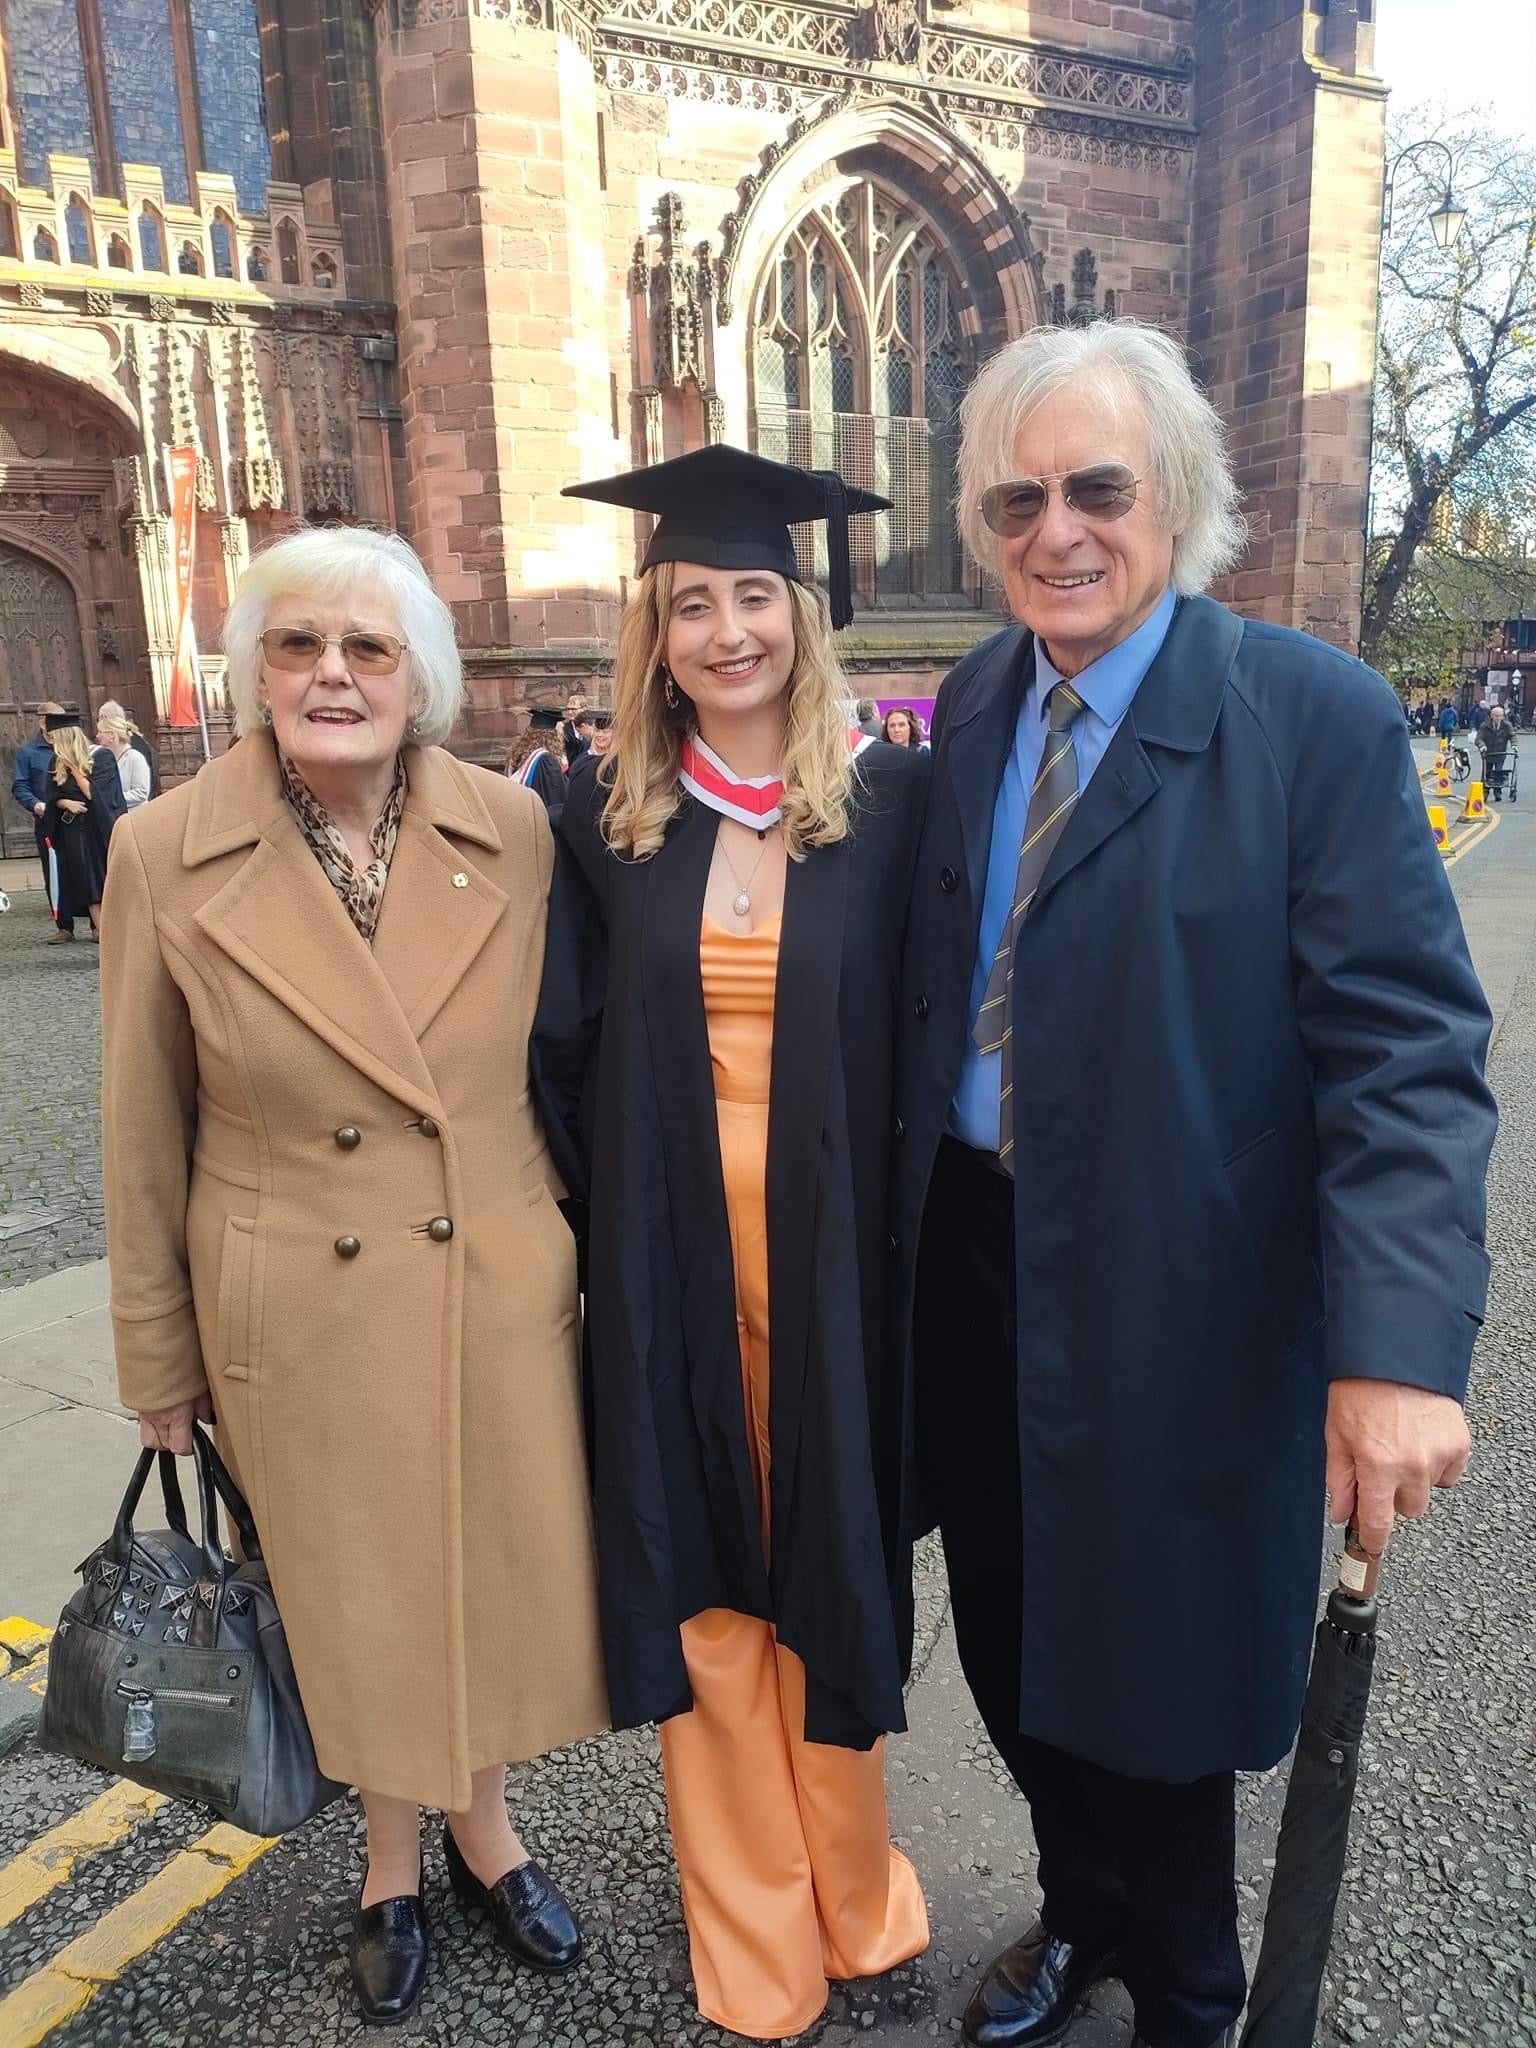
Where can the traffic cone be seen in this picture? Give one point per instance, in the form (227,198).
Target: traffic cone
(1477,801)
(1438,826)
(1442,777)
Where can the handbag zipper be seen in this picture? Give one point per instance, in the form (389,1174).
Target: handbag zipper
(140,1738)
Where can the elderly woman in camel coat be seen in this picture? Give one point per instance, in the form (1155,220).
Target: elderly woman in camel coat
(331,1218)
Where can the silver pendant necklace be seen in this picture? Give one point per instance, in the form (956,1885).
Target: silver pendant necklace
(741,903)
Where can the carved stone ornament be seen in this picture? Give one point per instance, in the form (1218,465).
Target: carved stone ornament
(32,297)
(890,32)
(680,294)
(133,500)
(261,484)
(328,487)
(161,307)
(99,304)
(1084,305)
(221,313)
(106,631)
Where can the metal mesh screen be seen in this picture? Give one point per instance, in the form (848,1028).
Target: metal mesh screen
(910,556)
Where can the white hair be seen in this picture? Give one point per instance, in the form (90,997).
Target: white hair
(1191,476)
(327,562)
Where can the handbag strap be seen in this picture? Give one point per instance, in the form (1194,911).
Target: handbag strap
(222,1482)
(170,1493)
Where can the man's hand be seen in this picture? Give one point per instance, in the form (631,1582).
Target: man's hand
(170,1429)
(1389,1446)
(39,810)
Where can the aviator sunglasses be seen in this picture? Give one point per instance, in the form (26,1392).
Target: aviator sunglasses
(295,650)
(1107,490)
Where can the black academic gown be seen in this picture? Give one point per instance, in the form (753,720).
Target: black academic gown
(622,1065)
(546,781)
(80,840)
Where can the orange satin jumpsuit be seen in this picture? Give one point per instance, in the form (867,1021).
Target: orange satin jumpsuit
(783,1846)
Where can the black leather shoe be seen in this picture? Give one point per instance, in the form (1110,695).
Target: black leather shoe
(1226,2039)
(389,1959)
(1029,1995)
(532,1920)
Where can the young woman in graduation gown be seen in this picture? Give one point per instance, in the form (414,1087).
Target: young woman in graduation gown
(714,1050)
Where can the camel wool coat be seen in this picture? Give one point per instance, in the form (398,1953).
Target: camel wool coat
(404,1417)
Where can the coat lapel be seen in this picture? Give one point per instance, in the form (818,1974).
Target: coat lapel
(800,1088)
(439,909)
(1176,707)
(677,1028)
(280,920)
(978,745)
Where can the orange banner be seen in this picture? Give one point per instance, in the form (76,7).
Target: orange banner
(185,681)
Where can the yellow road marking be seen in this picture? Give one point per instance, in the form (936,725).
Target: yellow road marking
(64,1987)
(22,1638)
(52,1859)
(1475,837)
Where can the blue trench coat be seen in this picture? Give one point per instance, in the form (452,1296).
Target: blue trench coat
(1251,1133)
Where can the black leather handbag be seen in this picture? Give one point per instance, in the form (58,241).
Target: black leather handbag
(170,1666)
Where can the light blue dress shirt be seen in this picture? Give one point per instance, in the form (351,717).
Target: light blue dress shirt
(1106,687)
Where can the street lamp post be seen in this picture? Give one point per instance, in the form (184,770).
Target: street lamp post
(1445,223)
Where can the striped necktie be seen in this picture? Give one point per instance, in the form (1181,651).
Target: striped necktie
(1051,803)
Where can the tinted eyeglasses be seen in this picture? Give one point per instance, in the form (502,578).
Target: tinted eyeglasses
(296,650)
(1106,490)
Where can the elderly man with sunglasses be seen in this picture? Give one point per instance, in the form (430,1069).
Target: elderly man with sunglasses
(1195,1130)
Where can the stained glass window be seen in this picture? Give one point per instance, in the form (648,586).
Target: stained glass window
(77,224)
(53,114)
(141,90)
(44,248)
(222,238)
(151,241)
(226,50)
(860,308)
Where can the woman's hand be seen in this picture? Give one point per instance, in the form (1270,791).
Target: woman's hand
(67,803)
(170,1429)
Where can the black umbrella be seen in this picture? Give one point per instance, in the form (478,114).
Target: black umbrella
(1314,1834)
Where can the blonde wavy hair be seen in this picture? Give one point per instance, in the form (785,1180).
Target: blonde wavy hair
(641,767)
(71,753)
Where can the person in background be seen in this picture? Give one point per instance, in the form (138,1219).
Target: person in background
(32,786)
(866,714)
(331,1217)
(598,726)
(1494,740)
(112,709)
(903,727)
(724,948)
(572,744)
(534,759)
(116,735)
(85,801)
(602,733)
(1448,723)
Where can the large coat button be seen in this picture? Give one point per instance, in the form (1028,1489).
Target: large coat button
(348,1247)
(427,1127)
(440,1229)
(349,1137)
(920,1008)
(949,881)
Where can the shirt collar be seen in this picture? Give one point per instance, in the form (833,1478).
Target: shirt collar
(1107,685)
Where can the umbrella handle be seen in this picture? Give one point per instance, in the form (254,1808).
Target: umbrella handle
(1358,1570)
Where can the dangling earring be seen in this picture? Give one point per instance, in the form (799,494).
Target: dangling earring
(264,713)
(672,697)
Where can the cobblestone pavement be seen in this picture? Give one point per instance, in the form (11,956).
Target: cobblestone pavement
(50,1079)
(1436,1944)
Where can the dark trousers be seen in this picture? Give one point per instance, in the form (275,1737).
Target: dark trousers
(1132,1864)
(65,924)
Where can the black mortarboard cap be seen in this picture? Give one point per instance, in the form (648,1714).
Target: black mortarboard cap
(726,509)
(60,721)
(544,718)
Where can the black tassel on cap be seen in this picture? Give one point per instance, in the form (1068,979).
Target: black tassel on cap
(839,556)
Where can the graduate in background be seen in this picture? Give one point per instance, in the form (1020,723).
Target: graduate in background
(535,759)
(713,1059)
(85,800)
